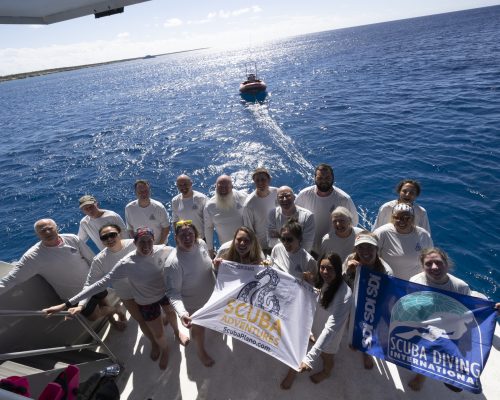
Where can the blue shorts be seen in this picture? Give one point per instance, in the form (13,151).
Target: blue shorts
(152,311)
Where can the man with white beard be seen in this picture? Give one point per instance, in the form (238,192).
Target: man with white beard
(223,212)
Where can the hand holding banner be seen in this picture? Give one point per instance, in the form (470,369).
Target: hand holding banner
(444,335)
(263,307)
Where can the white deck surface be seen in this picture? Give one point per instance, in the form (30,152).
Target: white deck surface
(242,372)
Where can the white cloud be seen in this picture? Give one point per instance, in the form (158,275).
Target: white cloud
(172,23)
(123,35)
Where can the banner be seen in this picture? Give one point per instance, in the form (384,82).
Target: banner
(444,335)
(263,307)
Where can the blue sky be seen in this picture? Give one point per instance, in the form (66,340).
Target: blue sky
(162,26)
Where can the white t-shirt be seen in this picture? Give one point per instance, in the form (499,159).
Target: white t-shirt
(190,208)
(453,284)
(153,216)
(64,267)
(322,208)
(342,246)
(305,218)
(256,214)
(144,273)
(89,227)
(225,222)
(385,213)
(292,263)
(402,251)
(104,262)
(189,279)
(329,324)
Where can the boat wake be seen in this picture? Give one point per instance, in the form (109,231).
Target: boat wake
(279,138)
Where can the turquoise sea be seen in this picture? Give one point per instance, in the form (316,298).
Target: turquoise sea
(417,98)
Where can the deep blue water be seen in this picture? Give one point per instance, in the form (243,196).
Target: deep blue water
(417,98)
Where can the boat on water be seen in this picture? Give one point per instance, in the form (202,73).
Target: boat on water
(240,372)
(253,89)
(252,85)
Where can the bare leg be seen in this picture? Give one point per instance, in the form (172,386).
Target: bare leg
(367,361)
(327,368)
(172,319)
(417,382)
(289,378)
(133,309)
(199,338)
(103,310)
(156,328)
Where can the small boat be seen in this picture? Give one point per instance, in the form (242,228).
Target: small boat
(252,85)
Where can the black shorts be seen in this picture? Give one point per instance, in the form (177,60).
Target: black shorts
(93,302)
(152,311)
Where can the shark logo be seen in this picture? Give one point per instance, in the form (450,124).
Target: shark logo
(261,294)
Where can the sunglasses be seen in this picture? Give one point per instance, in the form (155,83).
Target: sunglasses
(287,239)
(110,235)
(183,222)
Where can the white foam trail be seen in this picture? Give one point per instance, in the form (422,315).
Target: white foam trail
(280,139)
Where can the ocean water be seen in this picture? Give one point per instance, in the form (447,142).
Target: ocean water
(417,98)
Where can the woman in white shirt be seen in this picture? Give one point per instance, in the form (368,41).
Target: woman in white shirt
(408,190)
(330,319)
(401,241)
(144,270)
(289,256)
(190,281)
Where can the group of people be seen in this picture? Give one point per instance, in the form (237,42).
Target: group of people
(312,236)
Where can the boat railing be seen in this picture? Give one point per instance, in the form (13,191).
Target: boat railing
(96,342)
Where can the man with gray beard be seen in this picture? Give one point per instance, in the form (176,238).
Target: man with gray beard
(223,212)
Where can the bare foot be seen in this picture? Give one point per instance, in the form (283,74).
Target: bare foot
(154,354)
(417,382)
(118,325)
(318,377)
(288,381)
(163,360)
(367,361)
(183,339)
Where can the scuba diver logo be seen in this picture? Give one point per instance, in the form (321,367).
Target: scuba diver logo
(260,294)
(433,333)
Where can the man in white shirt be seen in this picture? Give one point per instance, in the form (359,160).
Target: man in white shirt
(188,204)
(288,209)
(321,199)
(63,260)
(95,218)
(258,205)
(147,212)
(223,212)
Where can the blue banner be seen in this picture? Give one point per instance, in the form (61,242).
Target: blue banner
(440,334)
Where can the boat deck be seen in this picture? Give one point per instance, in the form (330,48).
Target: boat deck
(242,372)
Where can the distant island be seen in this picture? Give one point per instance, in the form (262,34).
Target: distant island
(63,69)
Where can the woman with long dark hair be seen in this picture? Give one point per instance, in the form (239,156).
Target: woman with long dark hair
(330,319)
